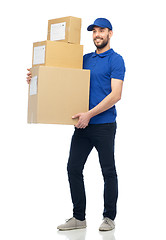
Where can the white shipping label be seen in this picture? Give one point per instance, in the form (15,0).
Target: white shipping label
(39,55)
(33,86)
(57,31)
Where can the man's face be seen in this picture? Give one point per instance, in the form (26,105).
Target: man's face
(101,36)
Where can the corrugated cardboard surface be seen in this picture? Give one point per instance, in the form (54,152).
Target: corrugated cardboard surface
(61,54)
(61,93)
(72,31)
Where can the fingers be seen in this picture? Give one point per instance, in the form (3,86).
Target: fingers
(29,72)
(28,79)
(81,125)
(76,116)
(29,76)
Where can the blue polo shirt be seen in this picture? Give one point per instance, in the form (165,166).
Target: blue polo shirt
(103,67)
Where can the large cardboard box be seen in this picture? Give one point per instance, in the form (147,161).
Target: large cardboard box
(56,94)
(58,54)
(66,29)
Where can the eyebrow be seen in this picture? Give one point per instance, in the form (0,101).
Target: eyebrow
(99,27)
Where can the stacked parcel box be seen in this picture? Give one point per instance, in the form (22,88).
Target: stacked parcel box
(59,87)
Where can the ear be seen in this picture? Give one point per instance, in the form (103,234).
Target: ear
(110,33)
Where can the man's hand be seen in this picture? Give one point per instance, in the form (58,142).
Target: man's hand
(29,75)
(83,120)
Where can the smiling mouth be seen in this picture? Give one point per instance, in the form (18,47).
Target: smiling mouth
(98,39)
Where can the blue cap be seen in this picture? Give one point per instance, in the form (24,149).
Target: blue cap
(100,22)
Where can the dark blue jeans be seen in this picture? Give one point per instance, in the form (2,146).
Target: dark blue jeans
(100,136)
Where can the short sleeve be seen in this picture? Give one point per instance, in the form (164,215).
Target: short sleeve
(118,68)
(85,60)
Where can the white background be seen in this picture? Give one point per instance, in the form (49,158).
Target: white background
(34,191)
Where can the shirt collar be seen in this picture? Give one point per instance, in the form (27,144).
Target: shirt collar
(104,54)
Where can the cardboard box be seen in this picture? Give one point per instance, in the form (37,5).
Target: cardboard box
(66,29)
(56,94)
(57,54)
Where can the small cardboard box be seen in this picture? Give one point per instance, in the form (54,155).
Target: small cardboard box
(57,54)
(65,29)
(56,94)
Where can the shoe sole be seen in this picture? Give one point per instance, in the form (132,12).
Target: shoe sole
(66,229)
(104,230)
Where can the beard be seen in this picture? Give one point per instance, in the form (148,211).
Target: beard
(102,44)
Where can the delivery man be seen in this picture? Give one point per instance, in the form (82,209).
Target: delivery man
(97,127)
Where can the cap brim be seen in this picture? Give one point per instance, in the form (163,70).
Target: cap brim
(90,27)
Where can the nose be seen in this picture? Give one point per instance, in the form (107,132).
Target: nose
(96,34)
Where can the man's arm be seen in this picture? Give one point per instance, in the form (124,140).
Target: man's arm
(110,100)
(105,104)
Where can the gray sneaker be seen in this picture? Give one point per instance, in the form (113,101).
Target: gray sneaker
(107,225)
(71,224)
